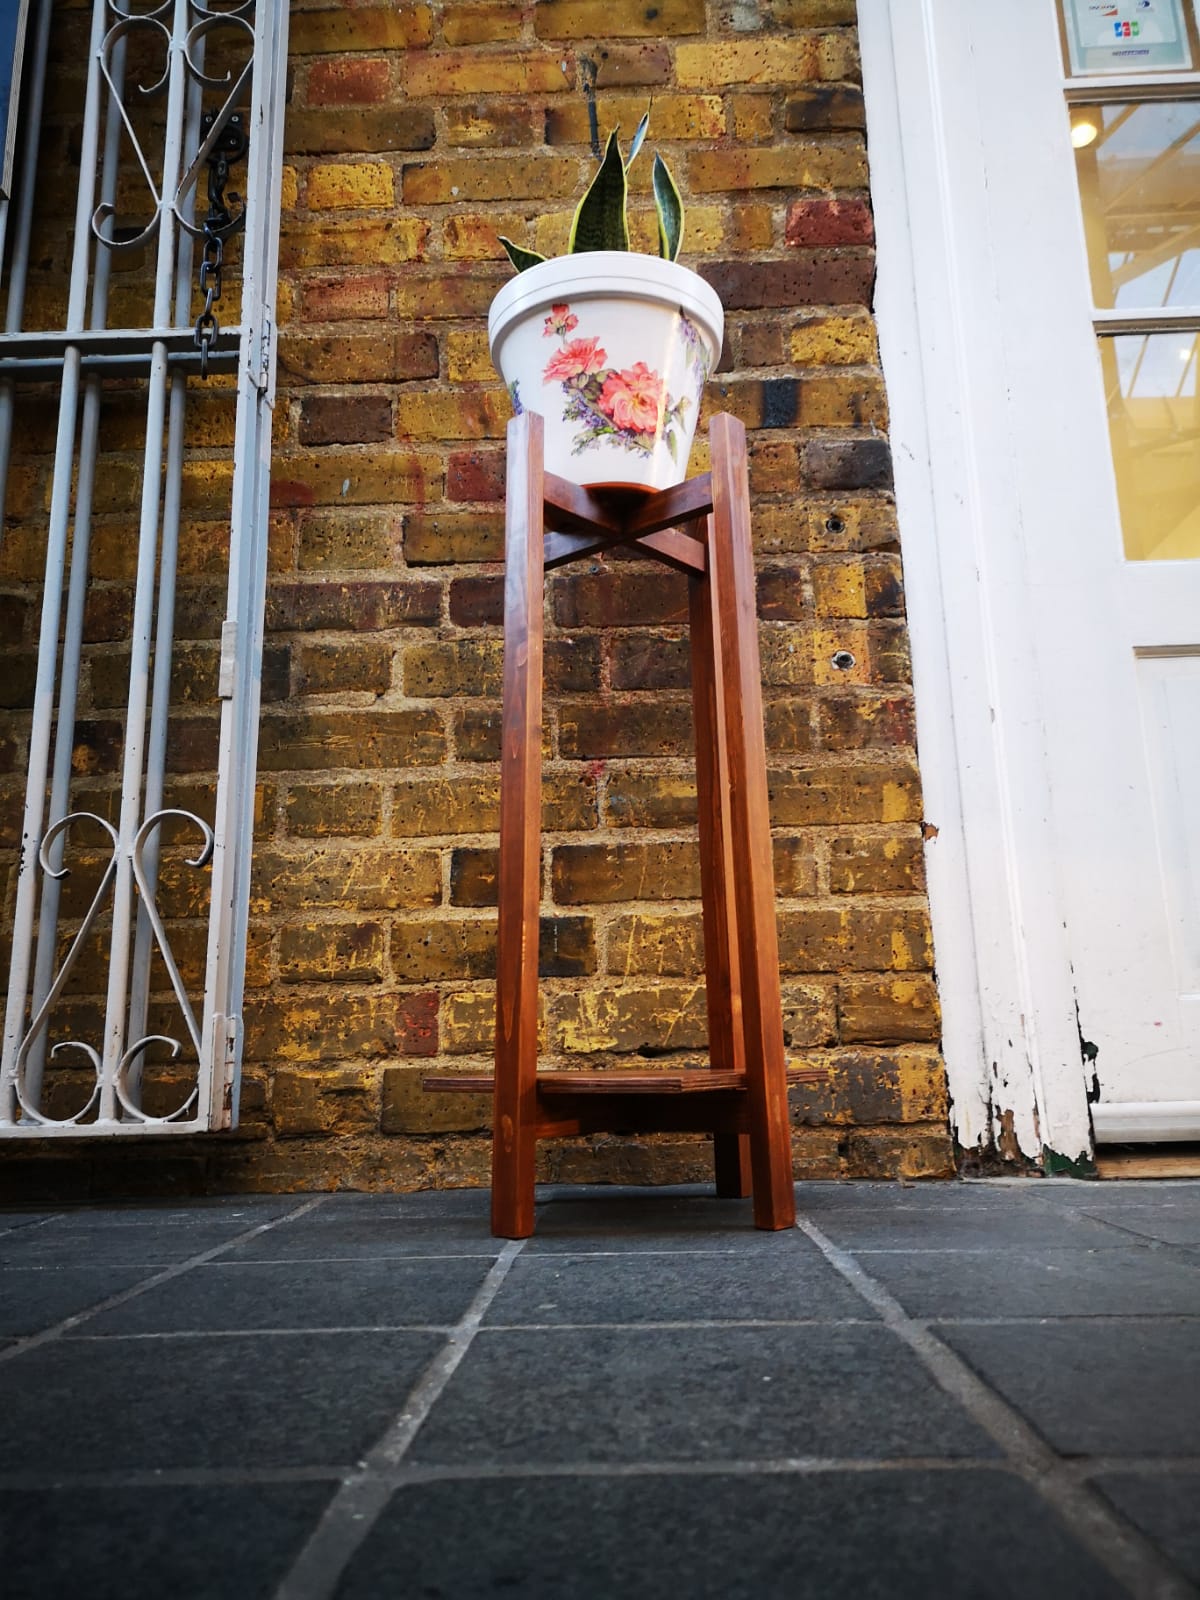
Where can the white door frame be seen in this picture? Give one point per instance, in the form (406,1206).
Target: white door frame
(968,508)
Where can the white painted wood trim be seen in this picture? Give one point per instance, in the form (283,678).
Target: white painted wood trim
(1010,1033)
(1147,1122)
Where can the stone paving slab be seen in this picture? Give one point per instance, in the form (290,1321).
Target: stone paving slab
(230,1296)
(155,1542)
(673,1286)
(33,1297)
(1093,1385)
(1166,1507)
(960,1389)
(1038,1283)
(305,1399)
(733,1392)
(883,1536)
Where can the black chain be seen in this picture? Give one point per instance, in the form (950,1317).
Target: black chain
(219,225)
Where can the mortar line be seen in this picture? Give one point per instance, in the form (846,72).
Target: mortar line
(1124,1551)
(157,1276)
(359,1503)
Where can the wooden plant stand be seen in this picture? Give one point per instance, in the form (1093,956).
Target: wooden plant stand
(701,528)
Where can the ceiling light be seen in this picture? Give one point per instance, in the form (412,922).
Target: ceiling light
(1083,130)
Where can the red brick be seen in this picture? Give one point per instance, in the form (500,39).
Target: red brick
(475,475)
(847,463)
(819,224)
(833,280)
(619,66)
(345,419)
(357,130)
(609,599)
(363,358)
(359,607)
(337,81)
(590,729)
(475,601)
(822,106)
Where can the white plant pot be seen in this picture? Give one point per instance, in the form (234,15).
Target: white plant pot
(613,349)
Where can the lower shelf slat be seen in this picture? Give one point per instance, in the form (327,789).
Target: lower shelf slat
(693,1080)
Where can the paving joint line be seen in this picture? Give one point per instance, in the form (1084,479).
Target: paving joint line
(163,1275)
(359,1503)
(1122,1549)
(406,1474)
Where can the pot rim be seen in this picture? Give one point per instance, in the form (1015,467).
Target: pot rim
(611,274)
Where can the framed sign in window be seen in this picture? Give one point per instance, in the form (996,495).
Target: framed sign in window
(13,16)
(1127,36)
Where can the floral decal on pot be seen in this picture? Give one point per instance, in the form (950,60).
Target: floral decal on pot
(629,406)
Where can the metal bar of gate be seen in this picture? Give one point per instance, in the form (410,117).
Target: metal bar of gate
(14,311)
(87,345)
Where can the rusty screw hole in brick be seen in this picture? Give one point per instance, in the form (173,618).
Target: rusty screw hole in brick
(843,660)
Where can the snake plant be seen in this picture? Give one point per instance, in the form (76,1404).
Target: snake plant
(601,219)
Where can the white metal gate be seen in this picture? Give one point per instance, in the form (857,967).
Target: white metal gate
(177,91)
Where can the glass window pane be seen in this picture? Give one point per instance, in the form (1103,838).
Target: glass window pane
(1154,423)
(1139,180)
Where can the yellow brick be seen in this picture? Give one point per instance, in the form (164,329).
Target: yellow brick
(468,1022)
(345,28)
(481,23)
(839,589)
(349,478)
(668,1016)
(290,191)
(617,19)
(551,233)
(751,227)
(358,186)
(922,1077)
(838,58)
(479,72)
(760,60)
(805,164)
(674,116)
(480,414)
(473,239)
(830,642)
(840,400)
(353,242)
(436,183)
(835,341)
(753,118)
(467,358)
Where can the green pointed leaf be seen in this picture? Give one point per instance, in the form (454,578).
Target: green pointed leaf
(600,221)
(639,135)
(521,259)
(669,204)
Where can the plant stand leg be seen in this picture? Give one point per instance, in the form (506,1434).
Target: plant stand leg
(731,565)
(726,1047)
(514,1135)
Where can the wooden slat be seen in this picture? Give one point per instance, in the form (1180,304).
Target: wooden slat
(670,508)
(731,564)
(696,1080)
(692,1080)
(514,1133)
(731,1152)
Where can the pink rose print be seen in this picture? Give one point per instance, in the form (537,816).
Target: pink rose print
(629,408)
(574,360)
(634,398)
(560,322)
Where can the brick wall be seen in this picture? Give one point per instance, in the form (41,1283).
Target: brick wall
(415,133)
